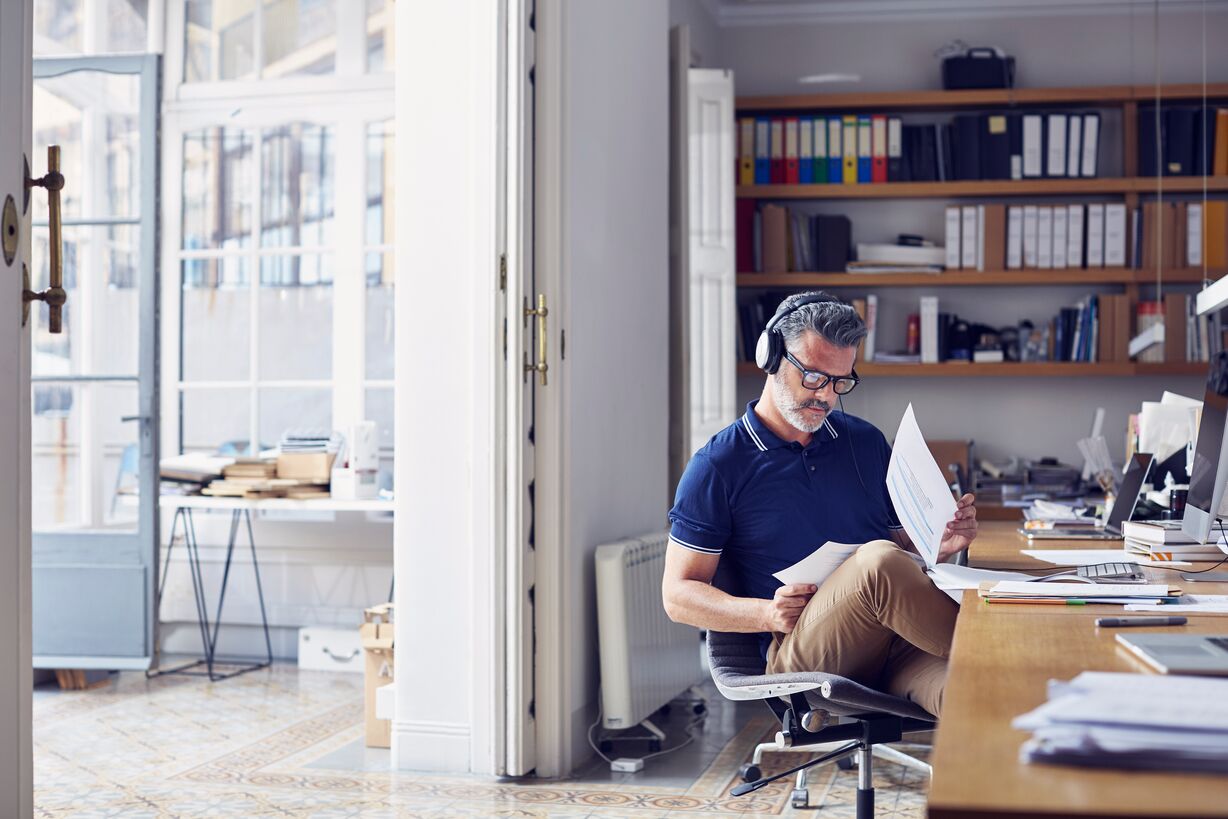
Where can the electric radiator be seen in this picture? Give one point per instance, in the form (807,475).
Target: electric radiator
(646,659)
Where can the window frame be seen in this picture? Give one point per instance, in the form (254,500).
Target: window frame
(347,102)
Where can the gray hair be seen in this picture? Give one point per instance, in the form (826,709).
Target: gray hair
(834,320)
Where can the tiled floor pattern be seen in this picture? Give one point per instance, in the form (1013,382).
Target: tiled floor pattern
(267,744)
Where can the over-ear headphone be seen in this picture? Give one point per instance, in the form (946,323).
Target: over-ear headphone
(770,349)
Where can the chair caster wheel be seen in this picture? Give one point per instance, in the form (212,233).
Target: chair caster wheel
(846,764)
(800,798)
(750,773)
(606,746)
(654,745)
(700,708)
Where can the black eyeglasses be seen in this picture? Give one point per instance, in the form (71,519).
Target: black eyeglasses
(817,380)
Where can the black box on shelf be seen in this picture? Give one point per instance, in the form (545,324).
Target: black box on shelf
(978,68)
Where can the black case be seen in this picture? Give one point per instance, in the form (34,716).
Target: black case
(978,68)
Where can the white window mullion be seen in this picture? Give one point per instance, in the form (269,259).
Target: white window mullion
(258,46)
(172,285)
(253,362)
(349,296)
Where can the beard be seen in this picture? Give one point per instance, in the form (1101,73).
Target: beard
(795,411)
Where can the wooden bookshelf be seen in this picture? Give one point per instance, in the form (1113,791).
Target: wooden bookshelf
(1016,369)
(974,278)
(986,188)
(989,98)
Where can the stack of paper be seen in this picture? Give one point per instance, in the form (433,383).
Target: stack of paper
(1086,591)
(1188,604)
(1135,721)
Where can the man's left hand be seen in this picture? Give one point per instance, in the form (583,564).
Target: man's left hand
(961,530)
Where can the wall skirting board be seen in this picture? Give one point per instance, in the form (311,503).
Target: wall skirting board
(426,745)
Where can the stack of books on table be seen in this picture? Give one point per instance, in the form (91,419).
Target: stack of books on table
(256,478)
(1163,540)
(1133,721)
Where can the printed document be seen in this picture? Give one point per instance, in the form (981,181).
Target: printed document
(818,565)
(918,490)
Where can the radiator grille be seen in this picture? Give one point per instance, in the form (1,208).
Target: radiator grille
(646,659)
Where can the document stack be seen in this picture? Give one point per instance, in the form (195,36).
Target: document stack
(1163,540)
(1133,721)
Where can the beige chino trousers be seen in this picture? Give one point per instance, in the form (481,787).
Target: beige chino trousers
(878,620)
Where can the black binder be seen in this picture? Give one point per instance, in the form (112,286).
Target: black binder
(966,150)
(1014,139)
(995,147)
(833,238)
(1148,139)
(1179,142)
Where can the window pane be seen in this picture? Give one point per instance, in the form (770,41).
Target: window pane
(216,420)
(215,336)
(297,189)
(380,410)
(296,333)
(217,188)
(219,40)
(283,409)
(380,39)
(84,460)
(379,326)
(380,187)
(300,37)
(89,114)
(100,277)
(117,26)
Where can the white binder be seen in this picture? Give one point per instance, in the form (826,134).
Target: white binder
(1060,223)
(1044,237)
(1014,237)
(1033,145)
(1074,236)
(954,248)
(1074,146)
(1095,235)
(1115,235)
(1057,145)
(1031,216)
(1091,144)
(967,254)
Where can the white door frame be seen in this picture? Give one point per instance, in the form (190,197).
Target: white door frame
(16,674)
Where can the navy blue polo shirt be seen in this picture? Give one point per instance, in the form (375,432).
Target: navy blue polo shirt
(763,503)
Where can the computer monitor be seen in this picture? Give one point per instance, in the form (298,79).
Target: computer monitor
(1210,470)
(1131,490)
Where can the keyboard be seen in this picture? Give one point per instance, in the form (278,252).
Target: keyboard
(1111,571)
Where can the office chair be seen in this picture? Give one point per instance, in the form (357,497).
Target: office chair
(814,709)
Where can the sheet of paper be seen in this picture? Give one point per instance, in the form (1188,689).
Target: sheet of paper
(1082,557)
(1165,428)
(1015,588)
(918,490)
(950,576)
(818,565)
(1189,604)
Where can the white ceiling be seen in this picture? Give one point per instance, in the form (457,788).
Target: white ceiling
(785,12)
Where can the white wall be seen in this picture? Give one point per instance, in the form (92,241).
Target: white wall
(444,533)
(615,189)
(705,34)
(1030,417)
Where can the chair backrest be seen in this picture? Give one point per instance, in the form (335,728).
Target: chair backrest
(731,654)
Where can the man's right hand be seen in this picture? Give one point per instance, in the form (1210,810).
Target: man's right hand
(787,605)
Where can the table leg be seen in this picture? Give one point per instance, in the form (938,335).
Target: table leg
(221,597)
(251,540)
(198,586)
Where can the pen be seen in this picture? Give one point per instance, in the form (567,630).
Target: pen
(1117,622)
(1034,601)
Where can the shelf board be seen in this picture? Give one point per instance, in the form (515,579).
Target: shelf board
(934,100)
(1038,369)
(984,188)
(973,278)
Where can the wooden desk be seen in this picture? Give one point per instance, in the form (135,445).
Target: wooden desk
(1001,662)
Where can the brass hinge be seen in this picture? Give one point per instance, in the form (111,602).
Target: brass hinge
(502,272)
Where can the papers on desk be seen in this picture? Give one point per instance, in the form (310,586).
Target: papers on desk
(1055,513)
(1087,591)
(1136,721)
(1081,557)
(1188,604)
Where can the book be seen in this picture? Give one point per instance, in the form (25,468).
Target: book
(869,347)
(901,254)
(992,223)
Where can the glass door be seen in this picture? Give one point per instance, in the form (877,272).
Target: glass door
(95,385)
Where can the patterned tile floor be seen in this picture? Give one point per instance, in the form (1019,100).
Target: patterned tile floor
(287,743)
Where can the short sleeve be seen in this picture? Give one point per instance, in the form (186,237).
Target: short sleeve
(893,520)
(701,519)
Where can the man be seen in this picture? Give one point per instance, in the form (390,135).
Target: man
(790,475)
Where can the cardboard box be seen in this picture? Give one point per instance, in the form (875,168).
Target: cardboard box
(315,467)
(377,645)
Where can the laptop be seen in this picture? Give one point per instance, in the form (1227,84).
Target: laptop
(1180,653)
(1123,508)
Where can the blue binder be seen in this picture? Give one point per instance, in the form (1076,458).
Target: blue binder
(835,153)
(763,151)
(865,169)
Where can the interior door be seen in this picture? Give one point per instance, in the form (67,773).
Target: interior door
(711,276)
(16,777)
(94,386)
(522,323)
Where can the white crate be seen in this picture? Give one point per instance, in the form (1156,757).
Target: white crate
(330,649)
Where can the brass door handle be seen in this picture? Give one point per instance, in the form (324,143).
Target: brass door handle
(541,367)
(54,295)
